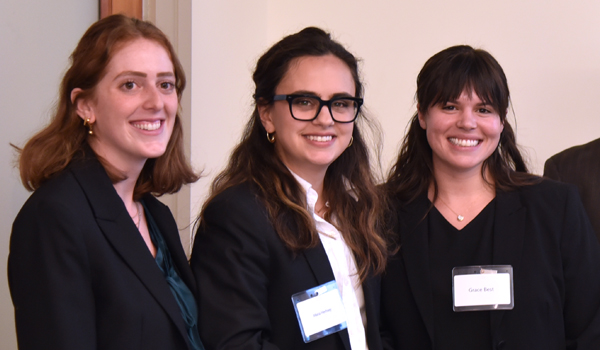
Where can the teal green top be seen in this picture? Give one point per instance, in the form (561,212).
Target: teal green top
(183,295)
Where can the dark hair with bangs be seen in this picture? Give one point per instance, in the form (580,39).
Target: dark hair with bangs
(443,78)
(255,161)
(65,137)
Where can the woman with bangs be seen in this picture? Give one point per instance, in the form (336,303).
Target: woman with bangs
(96,262)
(294,221)
(490,256)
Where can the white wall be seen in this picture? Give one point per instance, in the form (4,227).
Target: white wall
(550,51)
(35,42)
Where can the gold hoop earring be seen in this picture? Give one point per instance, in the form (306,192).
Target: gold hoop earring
(271,137)
(351,140)
(89,125)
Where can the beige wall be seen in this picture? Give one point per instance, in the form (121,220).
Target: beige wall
(550,51)
(36,38)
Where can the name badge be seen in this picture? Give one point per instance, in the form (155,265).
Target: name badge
(320,311)
(476,288)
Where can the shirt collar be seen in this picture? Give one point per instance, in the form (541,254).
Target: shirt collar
(311,194)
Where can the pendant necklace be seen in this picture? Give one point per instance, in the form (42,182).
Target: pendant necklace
(458,216)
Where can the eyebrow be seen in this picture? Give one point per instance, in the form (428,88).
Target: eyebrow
(306,92)
(143,75)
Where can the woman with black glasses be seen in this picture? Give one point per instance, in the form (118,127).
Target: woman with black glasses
(289,248)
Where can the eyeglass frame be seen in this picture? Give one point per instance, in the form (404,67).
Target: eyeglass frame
(289,98)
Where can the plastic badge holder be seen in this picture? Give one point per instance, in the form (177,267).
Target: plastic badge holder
(322,316)
(470,284)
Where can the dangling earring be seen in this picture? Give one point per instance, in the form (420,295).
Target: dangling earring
(271,137)
(351,140)
(89,125)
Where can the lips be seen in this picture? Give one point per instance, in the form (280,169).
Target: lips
(464,142)
(146,125)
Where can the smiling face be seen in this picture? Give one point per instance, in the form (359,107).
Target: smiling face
(308,147)
(134,105)
(462,134)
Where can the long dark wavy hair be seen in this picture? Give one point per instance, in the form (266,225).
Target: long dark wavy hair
(443,78)
(255,161)
(50,150)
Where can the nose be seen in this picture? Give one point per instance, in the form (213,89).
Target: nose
(467,120)
(324,117)
(153,99)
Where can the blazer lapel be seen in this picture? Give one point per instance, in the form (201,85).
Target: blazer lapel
(509,231)
(413,235)
(118,228)
(319,264)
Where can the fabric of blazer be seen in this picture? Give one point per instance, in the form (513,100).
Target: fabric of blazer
(81,276)
(580,165)
(246,278)
(543,232)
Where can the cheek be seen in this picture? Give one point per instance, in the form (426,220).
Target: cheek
(171,105)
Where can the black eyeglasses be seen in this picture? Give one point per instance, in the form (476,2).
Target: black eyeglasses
(307,107)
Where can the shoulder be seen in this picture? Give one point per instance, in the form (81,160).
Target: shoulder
(62,190)
(590,150)
(239,198)
(547,190)
(548,200)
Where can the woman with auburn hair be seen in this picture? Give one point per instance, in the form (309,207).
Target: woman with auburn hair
(491,257)
(289,246)
(95,260)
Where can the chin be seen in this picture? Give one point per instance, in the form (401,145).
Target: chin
(155,153)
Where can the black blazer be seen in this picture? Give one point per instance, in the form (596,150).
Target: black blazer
(580,165)
(543,232)
(246,278)
(81,276)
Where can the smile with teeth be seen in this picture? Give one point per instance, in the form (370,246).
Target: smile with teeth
(463,142)
(150,126)
(319,138)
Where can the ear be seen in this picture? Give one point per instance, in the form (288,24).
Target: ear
(421,118)
(264,111)
(82,106)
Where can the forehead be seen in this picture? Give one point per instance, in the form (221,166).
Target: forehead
(323,75)
(140,54)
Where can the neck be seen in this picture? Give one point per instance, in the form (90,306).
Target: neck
(461,198)
(316,180)
(129,169)
(461,185)
(125,190)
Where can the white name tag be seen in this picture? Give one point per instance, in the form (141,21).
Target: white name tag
(320,311)
(476,288)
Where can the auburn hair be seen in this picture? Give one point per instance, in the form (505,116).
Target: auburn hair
(443,78)
(349,184)
(50,150)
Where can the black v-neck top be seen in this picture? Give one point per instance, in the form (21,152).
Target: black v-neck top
(449,248)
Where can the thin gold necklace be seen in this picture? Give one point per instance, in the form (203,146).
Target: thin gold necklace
(458,216)
(139,217)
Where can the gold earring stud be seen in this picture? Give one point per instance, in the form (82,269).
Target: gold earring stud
(87,123)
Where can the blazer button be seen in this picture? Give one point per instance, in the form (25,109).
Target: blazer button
(500,344)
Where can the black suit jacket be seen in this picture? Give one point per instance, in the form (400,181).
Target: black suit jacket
(580,165)
(246,278)
(543,232)
(81,276)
